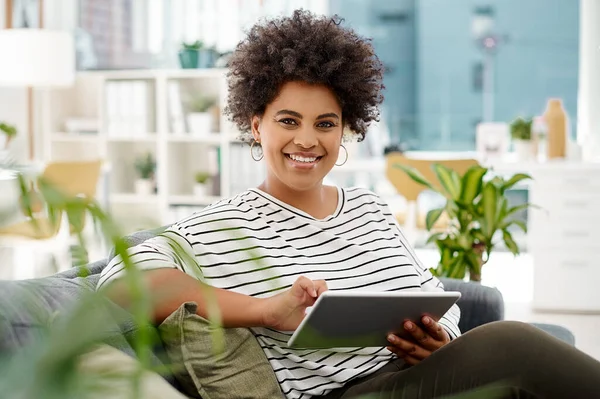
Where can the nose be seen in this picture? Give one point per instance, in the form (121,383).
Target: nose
(306,137)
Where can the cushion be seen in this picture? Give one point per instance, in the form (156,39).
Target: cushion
(216,362)
(110,373)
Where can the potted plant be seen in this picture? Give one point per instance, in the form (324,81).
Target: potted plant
(479,214)
(200,119)
(520,131)
(196,55)
(145,165)
(201,184)
(189,54)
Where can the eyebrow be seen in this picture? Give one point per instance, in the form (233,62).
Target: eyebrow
(299,115)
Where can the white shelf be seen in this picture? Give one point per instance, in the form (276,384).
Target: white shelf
(193,200)
(74,138)
(147,138)
(212,138)
(179,156)
(127,198)
(149,74)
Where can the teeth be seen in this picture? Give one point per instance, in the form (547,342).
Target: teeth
(302,159)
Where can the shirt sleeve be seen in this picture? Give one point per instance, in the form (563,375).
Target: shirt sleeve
(428,281)
(170,249)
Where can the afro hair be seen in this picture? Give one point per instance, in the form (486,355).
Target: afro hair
(311,49)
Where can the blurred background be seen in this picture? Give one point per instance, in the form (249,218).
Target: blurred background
(140,85)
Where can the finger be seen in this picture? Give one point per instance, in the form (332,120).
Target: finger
(421,337)
(408,348)
(403,355)
(435,330)
(306,285)
(321,286)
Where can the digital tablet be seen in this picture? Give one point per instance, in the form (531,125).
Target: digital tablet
(343,319)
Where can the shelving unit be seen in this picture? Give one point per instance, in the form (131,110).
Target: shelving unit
(145,111)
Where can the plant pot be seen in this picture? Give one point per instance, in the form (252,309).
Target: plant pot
(525,150)
(188,59)
(200,123)
(144,187)
(206,58)
(200,190)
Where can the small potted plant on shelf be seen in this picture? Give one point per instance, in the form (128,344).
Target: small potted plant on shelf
(196,55)
(520,131)
(480,218)
(189,54)
(145,165)
(200,118)
(201,184)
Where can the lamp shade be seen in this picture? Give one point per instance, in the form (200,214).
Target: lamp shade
(37,58)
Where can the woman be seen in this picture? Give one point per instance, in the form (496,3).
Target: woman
(294,85)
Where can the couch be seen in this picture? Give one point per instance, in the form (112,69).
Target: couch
(26,307)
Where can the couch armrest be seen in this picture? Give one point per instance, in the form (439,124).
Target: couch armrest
(478,304)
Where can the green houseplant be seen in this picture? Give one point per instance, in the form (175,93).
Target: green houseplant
(200,118)
(8,132)
(145,165)
(479,212)
(201,182)
(520,132)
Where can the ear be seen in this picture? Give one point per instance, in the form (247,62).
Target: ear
(255,126)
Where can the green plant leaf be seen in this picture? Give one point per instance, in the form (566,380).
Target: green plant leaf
(457,268)
(489,200)
(471,184)
(510,242)
(519,223)
(415,175)
(432,217)
(449,180)
(434,237)
(473,260)
(514,180)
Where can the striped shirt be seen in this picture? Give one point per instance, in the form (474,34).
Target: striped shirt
(256,245)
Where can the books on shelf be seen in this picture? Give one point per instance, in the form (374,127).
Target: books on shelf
(175,107)
(128,108)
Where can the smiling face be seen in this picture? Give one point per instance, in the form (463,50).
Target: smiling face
(300,133)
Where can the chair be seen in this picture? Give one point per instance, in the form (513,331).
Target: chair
(72,179)
(413,219)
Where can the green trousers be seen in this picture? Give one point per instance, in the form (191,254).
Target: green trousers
(497,360)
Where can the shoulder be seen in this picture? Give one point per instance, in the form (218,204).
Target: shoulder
(362,200)
(239,210)
(360,195)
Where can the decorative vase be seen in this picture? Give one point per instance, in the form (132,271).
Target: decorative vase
(525,150)
(556,122)
(144,187)
(188,59)
(200,123)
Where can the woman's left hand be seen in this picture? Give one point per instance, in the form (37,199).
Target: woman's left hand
(423,344)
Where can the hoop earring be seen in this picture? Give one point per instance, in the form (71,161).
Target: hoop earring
(256,152)
(345,159)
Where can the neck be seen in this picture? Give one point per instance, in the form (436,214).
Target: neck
(313,201)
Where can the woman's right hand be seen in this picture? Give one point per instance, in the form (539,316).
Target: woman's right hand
(286,310)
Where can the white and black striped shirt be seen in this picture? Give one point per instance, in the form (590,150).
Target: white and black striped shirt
(257,245)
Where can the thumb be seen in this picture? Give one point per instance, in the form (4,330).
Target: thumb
(303,285)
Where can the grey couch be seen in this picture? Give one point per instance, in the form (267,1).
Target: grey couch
(27,306)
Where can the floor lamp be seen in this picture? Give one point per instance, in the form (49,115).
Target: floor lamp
(36,58)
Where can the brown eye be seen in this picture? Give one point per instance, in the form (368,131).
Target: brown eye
(326,125)
(288,121)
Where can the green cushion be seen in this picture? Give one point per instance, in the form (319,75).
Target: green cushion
(216,362)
